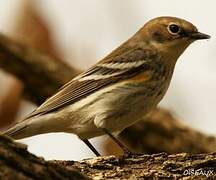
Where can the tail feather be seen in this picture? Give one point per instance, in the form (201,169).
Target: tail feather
(15,130)
(33,126)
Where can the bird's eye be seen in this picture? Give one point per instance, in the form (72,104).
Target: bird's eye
(173,29)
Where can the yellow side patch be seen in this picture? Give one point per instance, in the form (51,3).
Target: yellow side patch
(141,77)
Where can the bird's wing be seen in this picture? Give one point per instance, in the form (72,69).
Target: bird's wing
(104,73)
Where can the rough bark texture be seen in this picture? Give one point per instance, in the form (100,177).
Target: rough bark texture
(17,163)
(157,166)
(42,76)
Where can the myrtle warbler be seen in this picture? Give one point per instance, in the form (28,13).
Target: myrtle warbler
(118,90)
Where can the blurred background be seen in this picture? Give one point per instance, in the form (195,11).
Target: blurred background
(82,32)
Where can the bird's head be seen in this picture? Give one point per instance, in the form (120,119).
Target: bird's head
(170,34)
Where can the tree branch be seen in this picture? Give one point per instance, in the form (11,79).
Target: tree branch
(42,75)
(157,166)
(17,163)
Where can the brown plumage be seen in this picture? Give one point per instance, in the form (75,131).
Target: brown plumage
(118,90)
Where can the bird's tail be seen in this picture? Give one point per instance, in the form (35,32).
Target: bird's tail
(34,126)
(17,131)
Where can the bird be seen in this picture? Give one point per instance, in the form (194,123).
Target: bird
(117,91)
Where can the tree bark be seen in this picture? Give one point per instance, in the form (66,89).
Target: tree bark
(17,163)
(156,166)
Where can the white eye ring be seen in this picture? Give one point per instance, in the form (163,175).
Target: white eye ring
(173,29)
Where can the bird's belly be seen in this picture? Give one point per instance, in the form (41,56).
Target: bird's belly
(114,110)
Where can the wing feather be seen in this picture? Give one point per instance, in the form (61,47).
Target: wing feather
(102,74)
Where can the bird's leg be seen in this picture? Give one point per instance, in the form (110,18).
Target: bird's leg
(91,147)
(126,151)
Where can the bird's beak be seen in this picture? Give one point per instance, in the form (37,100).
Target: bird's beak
(199,35)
